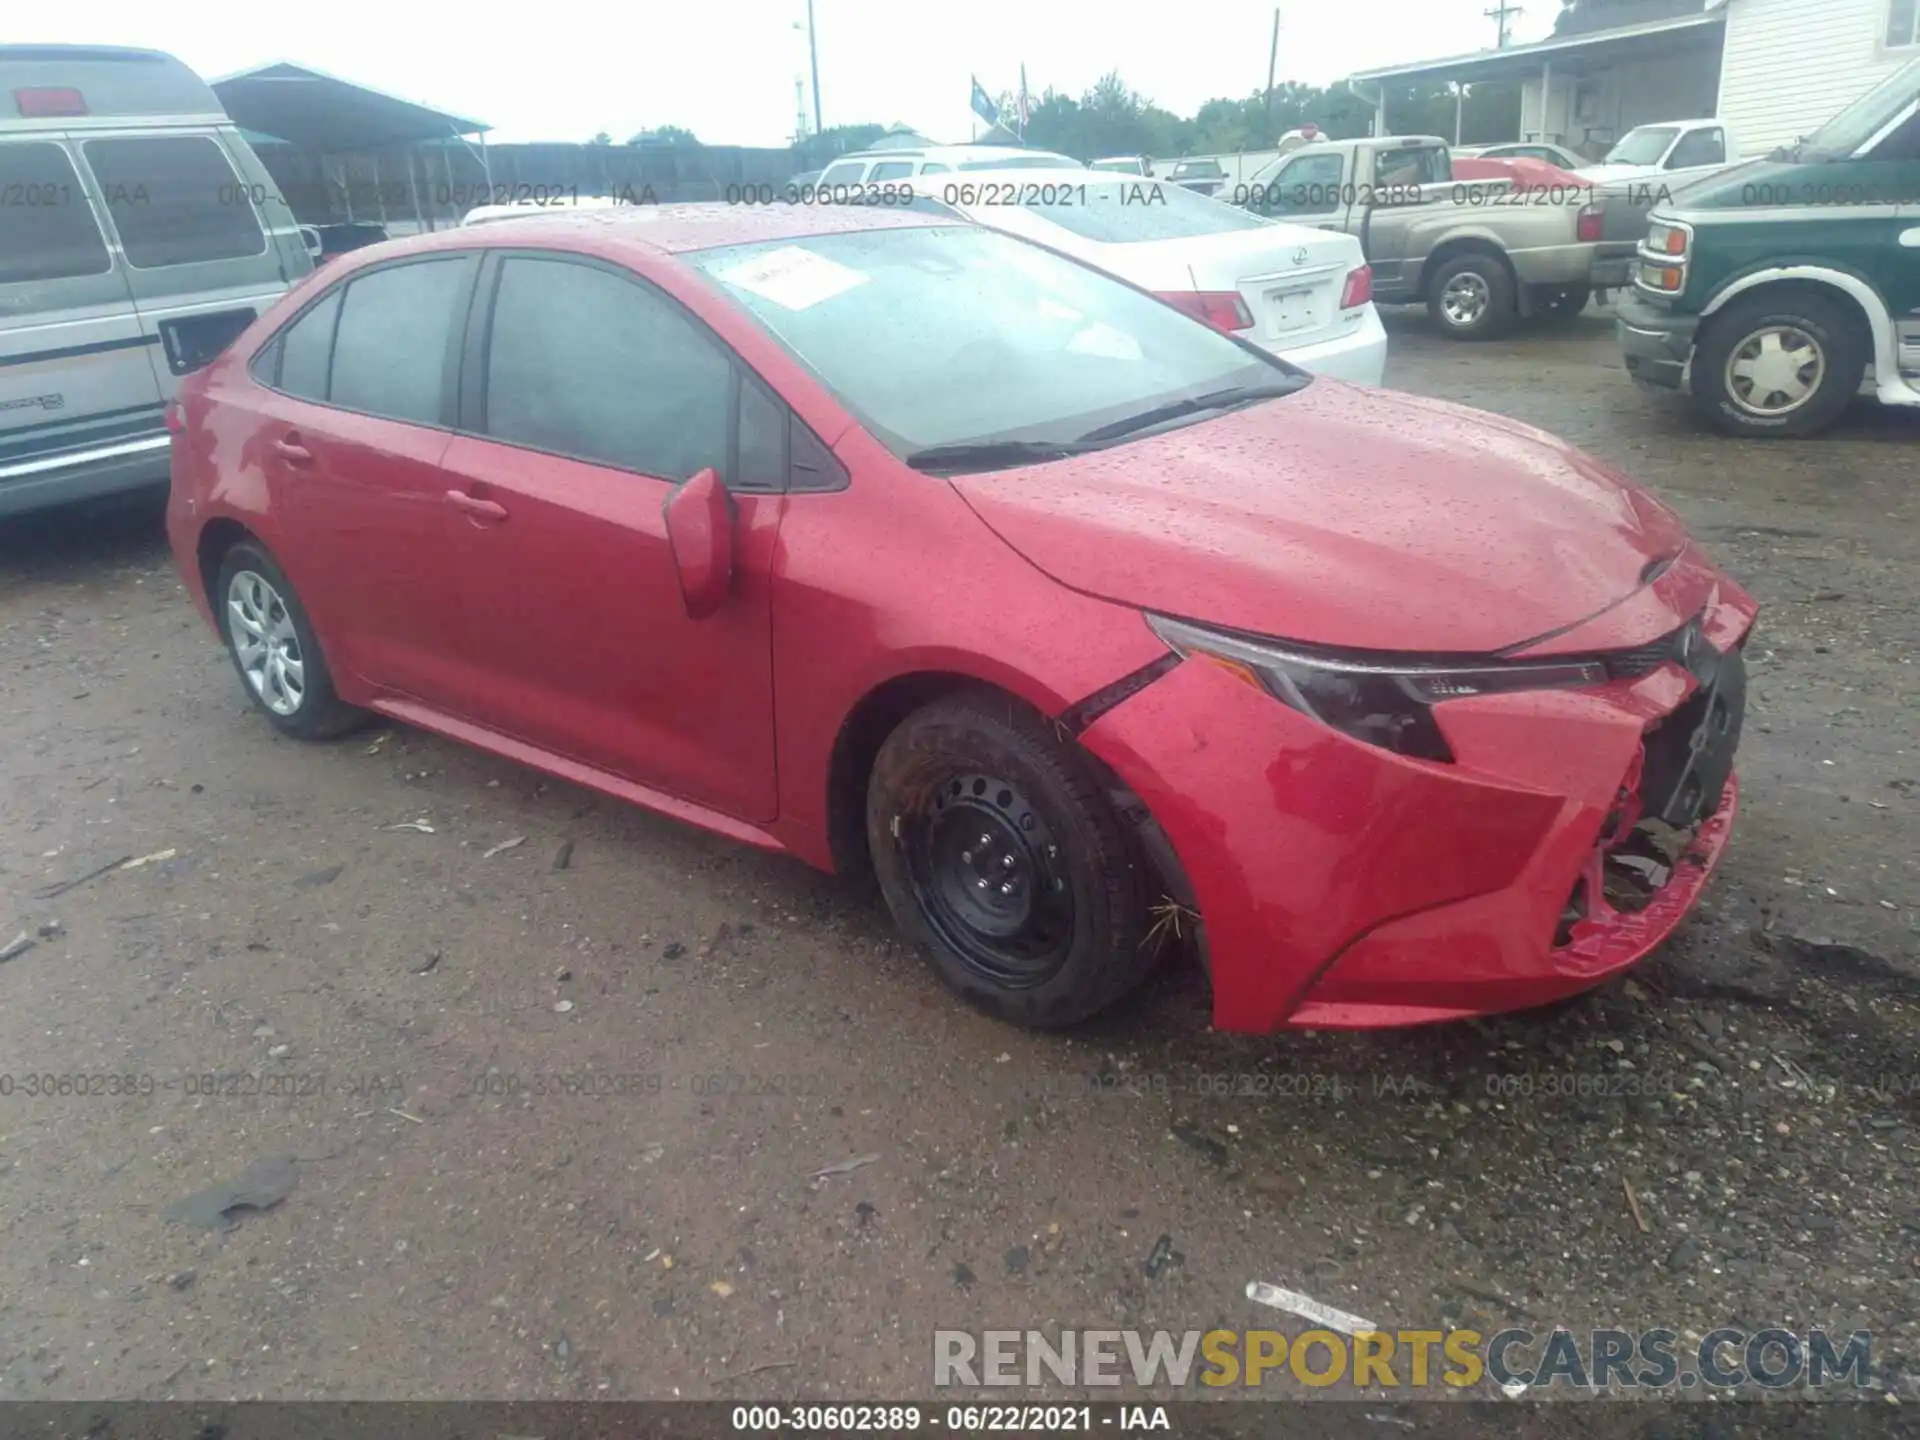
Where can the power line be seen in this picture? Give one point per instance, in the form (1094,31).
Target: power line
(1503,13)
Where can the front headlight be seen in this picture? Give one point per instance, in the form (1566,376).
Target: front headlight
(1389,705)
(1668,239)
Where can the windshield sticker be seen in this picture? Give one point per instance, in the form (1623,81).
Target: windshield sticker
(793,278)
(1103,342)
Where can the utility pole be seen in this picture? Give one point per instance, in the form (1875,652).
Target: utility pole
(1503,13)
(813,58)
(1273,57)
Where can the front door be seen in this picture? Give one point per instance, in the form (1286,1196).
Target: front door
(590,396)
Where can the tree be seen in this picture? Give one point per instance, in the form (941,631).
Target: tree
(664,135)
(602,138)
(817,151)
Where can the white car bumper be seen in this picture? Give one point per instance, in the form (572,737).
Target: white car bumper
(1360,356)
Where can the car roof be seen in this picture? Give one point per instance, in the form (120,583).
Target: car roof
(942,152)
(1025,175)
(658,229)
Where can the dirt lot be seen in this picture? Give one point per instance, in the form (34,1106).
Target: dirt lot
(401,1007)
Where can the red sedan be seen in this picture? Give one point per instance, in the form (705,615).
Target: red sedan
(888,542)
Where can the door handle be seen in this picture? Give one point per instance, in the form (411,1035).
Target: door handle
(477,509)
(292,451)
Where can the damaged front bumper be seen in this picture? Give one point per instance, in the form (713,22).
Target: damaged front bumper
(1342,886)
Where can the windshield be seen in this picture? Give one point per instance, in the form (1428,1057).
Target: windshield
(1867,116)
(1119,212)
(1198,167)
(1131,167)
(950,335)
(1644,146)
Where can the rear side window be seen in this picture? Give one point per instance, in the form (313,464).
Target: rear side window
(587,363)
(843,173)
(390,348)
(175,200)
(306,348)
(892,170)
(1700,147)
(47,230)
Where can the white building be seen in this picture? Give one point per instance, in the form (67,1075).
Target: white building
(1772,69)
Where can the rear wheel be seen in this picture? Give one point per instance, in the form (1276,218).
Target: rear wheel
(998,853)
(1471,297)
(273,646)
(1563,304)
(1785,364)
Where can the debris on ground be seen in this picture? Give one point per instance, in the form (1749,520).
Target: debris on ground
(1017,1259)
(844,1167)
(261,1186)
(1633,1204)
(379,741)
(50,929)
(315,879)
(673,951)
(505,845)
(718,943)
(963,1274)
(564,856)
(154,859)
(561,1007)
(1158,1258)
(863,1214)
(422,826)
(1211,1148)
(47,892)
(427,964)
(1307,1308)
(721,1288)
(16,947)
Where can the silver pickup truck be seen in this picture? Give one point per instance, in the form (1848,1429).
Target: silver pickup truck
(1479,253)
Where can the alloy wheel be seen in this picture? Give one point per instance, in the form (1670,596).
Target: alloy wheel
(265,642)
(1776,370)
(1466,299)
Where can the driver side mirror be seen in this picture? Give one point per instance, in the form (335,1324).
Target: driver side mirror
(700,528)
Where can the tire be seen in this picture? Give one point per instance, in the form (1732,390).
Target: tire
(286,678)
(1066,934)
(1837,343)
(1465,276)
(1563,304)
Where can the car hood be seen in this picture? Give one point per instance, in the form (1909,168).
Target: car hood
(1364,519)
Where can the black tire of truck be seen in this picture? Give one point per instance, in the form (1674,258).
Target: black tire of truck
(1830,341)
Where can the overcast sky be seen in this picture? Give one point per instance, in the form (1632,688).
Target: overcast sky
(725,69)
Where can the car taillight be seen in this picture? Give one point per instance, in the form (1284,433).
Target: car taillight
(175,419)
(1592,224)
(1359,289)
(45,102)
(1222,309)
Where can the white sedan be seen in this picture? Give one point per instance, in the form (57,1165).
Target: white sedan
(1303,294)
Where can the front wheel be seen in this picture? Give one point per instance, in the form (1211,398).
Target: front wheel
(1471,297)
(999,854)
(1783,365)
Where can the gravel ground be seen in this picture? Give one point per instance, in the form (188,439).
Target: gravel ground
(406,1006)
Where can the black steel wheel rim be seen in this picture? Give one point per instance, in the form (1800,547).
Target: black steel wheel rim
(992,881)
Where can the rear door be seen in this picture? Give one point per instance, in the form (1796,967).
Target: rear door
(74,375)
(354,401)
(191,229)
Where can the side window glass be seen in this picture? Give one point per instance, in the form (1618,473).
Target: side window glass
(175,199)
(934,167)
(305,349)
(844,172)
(390,348)
(1309,186)
(762,444)
(47,230)
(1702,147)
(892,170)
(587,363)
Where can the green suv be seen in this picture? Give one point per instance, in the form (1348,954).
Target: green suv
(1772,289)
